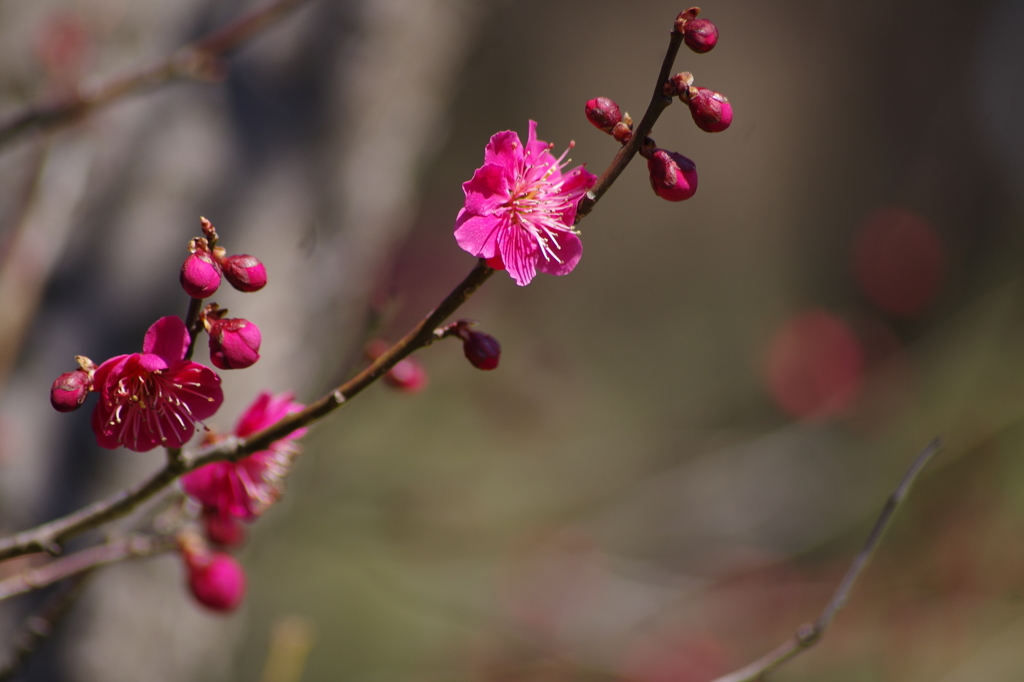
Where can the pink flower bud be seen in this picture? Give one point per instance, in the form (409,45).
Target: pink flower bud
(223,529)
(700,35)
(245,273)
(69,390)
(408,376)
(482,350)
(200,276)
(217,581)
(711,111)
(673,176)
(603,113)
(234,343)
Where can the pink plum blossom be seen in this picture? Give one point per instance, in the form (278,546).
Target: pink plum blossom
(154,397)
(520,208)
(243,489)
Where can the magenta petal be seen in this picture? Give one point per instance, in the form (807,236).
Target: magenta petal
(520,255)
(504,149)
(199,388)
(487,190)
(168,338)
(151,362)
(477,235)
(570,251)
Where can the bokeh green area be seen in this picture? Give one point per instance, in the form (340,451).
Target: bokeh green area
(625,497)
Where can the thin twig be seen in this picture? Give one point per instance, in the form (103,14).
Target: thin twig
(199,60)
(809,633)
(134,546)
(48,536)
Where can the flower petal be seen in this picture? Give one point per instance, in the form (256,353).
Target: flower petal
(519,253)
(478,234)
(569,249)
(167,338)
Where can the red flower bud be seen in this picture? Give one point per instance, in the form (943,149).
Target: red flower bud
(603,113)
(711,110)
(234,343)
(673,176)
(700,35)
(217,581)
(482,350)
(223,529)
(245,273)
(69,390)
(200,276)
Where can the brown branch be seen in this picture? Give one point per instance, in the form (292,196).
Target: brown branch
(48,536)
(134,546)
(199,60)
(809,633)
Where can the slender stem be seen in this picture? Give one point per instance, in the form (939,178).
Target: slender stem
(48,536)
(659,102)
(198,60)
(86,560)
(809,633)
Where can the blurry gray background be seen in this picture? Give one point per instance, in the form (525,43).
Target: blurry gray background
(687,438)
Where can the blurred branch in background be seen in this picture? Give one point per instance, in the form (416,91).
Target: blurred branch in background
(199,60)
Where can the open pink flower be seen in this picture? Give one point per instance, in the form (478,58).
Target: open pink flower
(154,397)
(520,208)
(243,489)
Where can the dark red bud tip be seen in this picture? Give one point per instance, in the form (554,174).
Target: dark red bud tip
(673,176)
(603,113)
(234,343)
(711,110)
(700,35)
(217,581)
(245,273)
(200,276)
(482,350)
(69,390)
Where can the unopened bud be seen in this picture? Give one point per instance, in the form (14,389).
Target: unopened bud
(69,391)
(482,350)
(408,375)
(216,580)
(673,176)
(684,18)
(223,529)
(700,35)
(603,113)
(234,343)
(200,276)
(711,110)
(245,273)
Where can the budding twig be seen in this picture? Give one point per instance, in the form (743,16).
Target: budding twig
(198,60)
(48,536)
(659,102)
(809,633)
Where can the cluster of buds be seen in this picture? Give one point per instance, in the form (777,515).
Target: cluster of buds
(673,176)
(206,263)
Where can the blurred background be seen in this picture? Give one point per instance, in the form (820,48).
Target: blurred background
(688,438)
